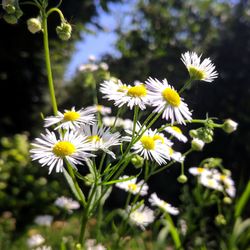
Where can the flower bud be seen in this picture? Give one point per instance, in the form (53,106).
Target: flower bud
(182,178)
(10,9)
(11,19)
(197,144)
(193,133)
(227,200)
(34,25)
(220,220)
(89,179)
(229,126)
(64,31)
(137,161)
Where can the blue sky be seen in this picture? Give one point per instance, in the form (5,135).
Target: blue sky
(101,42)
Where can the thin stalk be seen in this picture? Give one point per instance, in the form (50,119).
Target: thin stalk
(48,64)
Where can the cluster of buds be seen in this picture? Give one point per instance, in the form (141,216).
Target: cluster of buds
(64,30)
(205,134)
(12,11)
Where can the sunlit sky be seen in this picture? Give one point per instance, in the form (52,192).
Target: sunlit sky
(102,42)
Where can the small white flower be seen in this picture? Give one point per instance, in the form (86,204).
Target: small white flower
(204,71)
(102,109)
(43,248)
(35,240)
(176,156)
(72,119)
(133,187)
(152,145)
(176,132)
(92,58)
(51,151)
(90,244)
(123,94)
(67,203)
(142,216)
(199,171)
(101,138)
(109,122)
(210,182)
(88,67)
(155,201)
(104,66)
(167,100)
(227,182)
(44,220)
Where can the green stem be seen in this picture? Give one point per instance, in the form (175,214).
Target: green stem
(58,11)
(241,203)
(186,85)
(48,64)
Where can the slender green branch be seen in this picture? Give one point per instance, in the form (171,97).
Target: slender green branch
(56,10)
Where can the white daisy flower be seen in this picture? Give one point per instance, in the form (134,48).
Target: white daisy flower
(155,201)
(43,248)
(167,100)
(35,240)
(176,132)
(102,109)
(176,156)
(67,203)
(72,119)
(51,151)
(90,244)
(210,182)
(101,138)
(199,171)
(204,71)
(133,187)
(142,216)
(151,146)
(125,94)
(228,183)
(44,220)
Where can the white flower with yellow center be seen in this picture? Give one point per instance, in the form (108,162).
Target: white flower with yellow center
(44,220)
(199,171)
(101,138)
(35,240)
(210,182)
(67,203)
(142,216)
(204,71)
(125,94)
(51,152)
(176,132)
(155,201)
(151,146)
(167,100)
(101,109)
(227,182)
(72,119)
(131,185)
(176,156)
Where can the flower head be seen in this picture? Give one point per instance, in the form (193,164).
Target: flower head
(72,119)
(44,220)
(123,94)
(155,201)
(133,187)
(101,138)
(35,240)
(142,216)
(67,203)
(176,132)
(102,109)
(167,100)
(204,71)
(51,151)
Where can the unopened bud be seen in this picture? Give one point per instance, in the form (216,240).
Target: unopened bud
(193,133)
(227,200)
(197,144)
(229,126)
(89,179)
(220,220)
(64,31)
(137,161)
(182,178)
(10,9)
(11,19)
(34,25)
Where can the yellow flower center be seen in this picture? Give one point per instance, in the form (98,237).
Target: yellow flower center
(158,137)
(63,148)
(196,73)
(171,151)
(137,91)
(123,88)
(94,138)
(171,96)
(99,108)
(132,187)
(200,170)
(223,177)
(148,142)
(71,116)
(176,129)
